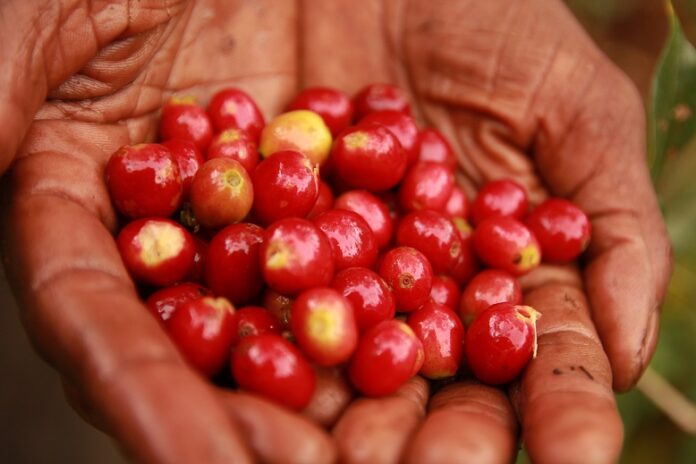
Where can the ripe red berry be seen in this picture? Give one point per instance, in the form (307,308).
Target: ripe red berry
(300,130)
(233,108)
(286,185)
(271,366)
(467,265)
(434,235)
(324,201)
(401,125)
(563,229)
(352,241)
(183,119)
(165,301)
(233,269)
(324,325)
(442,335)
(503,197)
(487,288)
(221,193)
(409,275)
(199,259)
(426,186)
(144,180)
(189,160)
(278,305)
(501,341)
(380,97)
(505,243)
(432,146)
(457,204)
(334,106)
(235,144)
(369,157)
(296,256)
(253,320)
(156,251)
(369,295)
(202,329)
(385,358)
(372,210)
(445,291)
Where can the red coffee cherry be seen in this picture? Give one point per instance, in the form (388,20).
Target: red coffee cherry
(324,201)
(233,108)
(237,145)
(368,293)
(487,288)
(432,146)
(164,302)
(253,320)
(434,235)
(352,241)
(189,160)
(503,197)
(445,291)
(409,275)
(334,106)
(401,125)
(563,229)
(505,243)
(199,258)
(372,210)
(457,205)
(380,97)
(183,119)
(426,186)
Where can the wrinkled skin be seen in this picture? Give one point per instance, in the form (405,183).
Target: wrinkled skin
(516,86)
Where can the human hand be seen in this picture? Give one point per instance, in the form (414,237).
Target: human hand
(500,80)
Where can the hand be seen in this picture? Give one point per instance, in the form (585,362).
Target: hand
(517,87)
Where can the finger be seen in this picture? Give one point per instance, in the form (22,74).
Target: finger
(565,400)
(331,397)
(278,435)
(376,430)
(466,423)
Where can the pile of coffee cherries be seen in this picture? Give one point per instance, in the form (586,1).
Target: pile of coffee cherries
(334,235)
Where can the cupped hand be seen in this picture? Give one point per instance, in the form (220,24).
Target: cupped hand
(517,87)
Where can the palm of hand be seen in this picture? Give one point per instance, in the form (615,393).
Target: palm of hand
(495,80)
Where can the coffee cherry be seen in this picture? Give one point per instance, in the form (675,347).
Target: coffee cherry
(380,97)
(233,108)
(426,186)
(301,130)
(202,329)
(401,125)
(235,144)
(324,325)
(280,306)
(487,288)
(183,119)
(563,229)
(156,251)
(431,146)
(233,267)
(165,301)
(252,320)
(352,241)
(324,201)
(199,258)
(503,197)
(369,295)
(501,341)
(369,157)
(457,204)
(385,358)
(189,160)
(442,335)
(434,235)
(286,185)
(273,367)
(409,275)
(505,243)
(144,180)
(372,210)
(296,256)
(445,291)
(334,106)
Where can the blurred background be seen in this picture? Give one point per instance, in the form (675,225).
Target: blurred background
(39,427)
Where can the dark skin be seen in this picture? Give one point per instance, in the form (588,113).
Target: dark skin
(517,87)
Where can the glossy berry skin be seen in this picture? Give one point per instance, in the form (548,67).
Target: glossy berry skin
(457,204)
(233,269)
(202,329)
(351,239)
(368,293)
(221,193)
(372,210)
(563,229)
(426,186)
(324,326)
(235,144)
(233,108)
(324,201)
(409,275)
(369,157)
(380,97)
(445,291)
(386,357)
(401,125)
(183,119)
(334,106)
(507,244)
(165,301)
(442,335)
(300,130)
(279,306)
(434,235)
(501,341)
(273,367)
(188,158)
(156,251)
(253,320)
(431,146)
(503,197)
(295,256)
(144,180)
(487,288)
(286,185)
